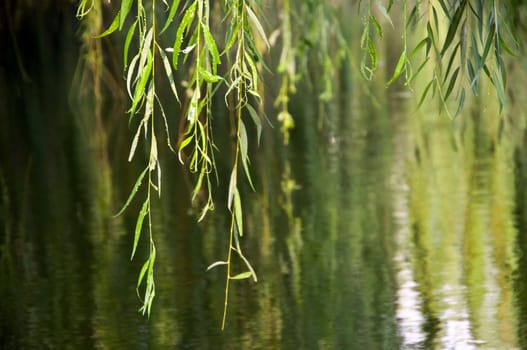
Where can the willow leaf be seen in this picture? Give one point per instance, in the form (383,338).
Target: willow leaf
(499,91)
(450,61)
(418,47)
(452,29)
(398,68)
(208,76)
(244,153)
(135,141)
(257,24)
(488,44)
(144,268)
(128,40)
(216,263)
(112,28)
(425,92)
(376,25)
(139,89)
(126,6)
(238,212)
(232,188)
(241,276)
(461,102)
(168,72)
(211,46)
(256,120)
(139,226)
(183,26)
(133,192)
(452,83)
(171,15)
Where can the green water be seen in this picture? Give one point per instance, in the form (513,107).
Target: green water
(378,227)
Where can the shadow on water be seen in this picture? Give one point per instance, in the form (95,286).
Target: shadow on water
(377,227)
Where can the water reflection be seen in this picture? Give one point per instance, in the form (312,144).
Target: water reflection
(379,230)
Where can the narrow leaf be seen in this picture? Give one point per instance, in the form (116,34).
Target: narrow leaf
(242,276)
(232,188)
(211,46)
(238,212)
(139,226)
(398,68)
(452,83)
(134,191)
(259,28)
(452,29)
(168,72)
(216,263)
(126,5)
(256,120)
(171,15)
(128,40)
(112,28)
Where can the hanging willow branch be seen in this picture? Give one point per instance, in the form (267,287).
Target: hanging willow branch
(472,45)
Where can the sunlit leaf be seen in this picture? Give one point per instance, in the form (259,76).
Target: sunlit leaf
(216,263)
(168,72)
(398,68)
(171,15)
(256,23)
(238,212)
(128,40)
(126,5)
(112,28)
(232,188)
(241,276)
(211,46)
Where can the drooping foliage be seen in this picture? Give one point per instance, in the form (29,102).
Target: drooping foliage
(224,47)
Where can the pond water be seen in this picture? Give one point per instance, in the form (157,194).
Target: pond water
(378,227)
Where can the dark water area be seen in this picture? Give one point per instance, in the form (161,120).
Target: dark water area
(377,227)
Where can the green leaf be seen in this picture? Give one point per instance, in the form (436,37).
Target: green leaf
(461,103)
(127,42)
(244,153)
(452,83)
(139,89)
(216,263)
(238,212)
(452,29)
(450,61)
(242,276)
(183,25)
(112,28)
(376,25)
(126,6)
(418,47)
(171,15)
(499,91)
(211,46)
(256,23)
(398,68)
(133,192)
(208,76)
(232,188)
(256,120)
(425,92)
(146,264)
(168,71)
(139,225)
